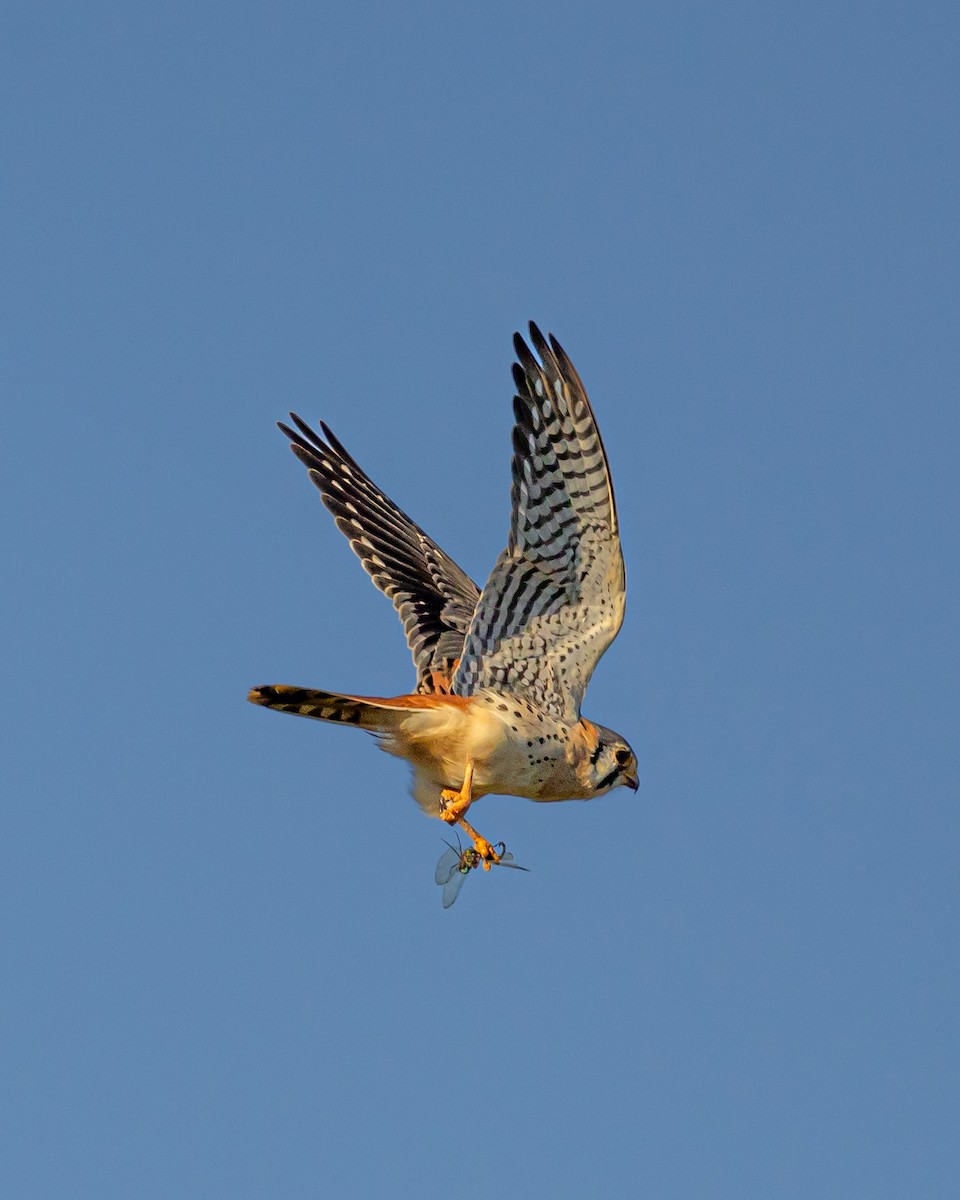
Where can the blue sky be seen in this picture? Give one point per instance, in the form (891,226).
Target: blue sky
(228,972)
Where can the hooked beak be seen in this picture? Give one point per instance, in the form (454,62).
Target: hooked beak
(632,782)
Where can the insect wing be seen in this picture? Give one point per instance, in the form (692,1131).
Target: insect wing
(447,866)
(451,889)
(506,860)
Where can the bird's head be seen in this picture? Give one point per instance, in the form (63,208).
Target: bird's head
(608,761)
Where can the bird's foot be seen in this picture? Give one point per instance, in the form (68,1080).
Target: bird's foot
(453,805)
(489,855)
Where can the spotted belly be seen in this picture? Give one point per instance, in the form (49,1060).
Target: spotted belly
(516,750)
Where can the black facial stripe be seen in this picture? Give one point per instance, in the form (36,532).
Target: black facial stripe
(608,778)
(596,754)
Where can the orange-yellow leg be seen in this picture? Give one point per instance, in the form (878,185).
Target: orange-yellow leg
(455,805)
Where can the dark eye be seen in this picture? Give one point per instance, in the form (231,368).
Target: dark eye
(622,756)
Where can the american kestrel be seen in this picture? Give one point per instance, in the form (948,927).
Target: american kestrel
(501,673)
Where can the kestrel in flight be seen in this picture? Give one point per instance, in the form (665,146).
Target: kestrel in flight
(501,673)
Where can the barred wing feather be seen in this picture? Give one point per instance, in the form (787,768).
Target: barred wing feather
(555,600)
(434,598)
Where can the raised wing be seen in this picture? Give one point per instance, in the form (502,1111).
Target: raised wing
(556,597)
(434,598)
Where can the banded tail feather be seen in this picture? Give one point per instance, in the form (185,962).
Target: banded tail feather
(321,706)
(379,714)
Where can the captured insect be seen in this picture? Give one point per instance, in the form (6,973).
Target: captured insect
(456,863)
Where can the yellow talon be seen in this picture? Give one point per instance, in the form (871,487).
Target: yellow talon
(455,804)
(488,855)
(452,810)
(486,852)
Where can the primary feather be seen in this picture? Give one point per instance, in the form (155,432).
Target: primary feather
(434,598)
(555,600)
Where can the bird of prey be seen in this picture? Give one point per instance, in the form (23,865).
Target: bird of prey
(502,672)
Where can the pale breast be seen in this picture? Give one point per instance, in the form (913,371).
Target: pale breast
(516,750)
(530,757)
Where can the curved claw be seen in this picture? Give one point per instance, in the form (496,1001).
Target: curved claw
(488,854)
(453,807)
